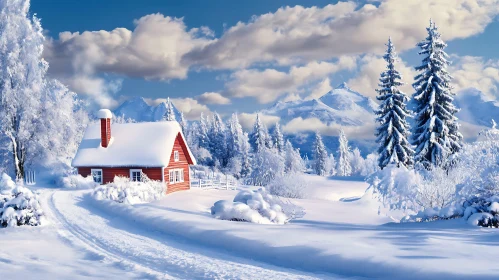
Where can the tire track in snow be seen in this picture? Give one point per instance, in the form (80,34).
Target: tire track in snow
(157,255)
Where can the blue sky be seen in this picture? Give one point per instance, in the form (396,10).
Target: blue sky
(472,29)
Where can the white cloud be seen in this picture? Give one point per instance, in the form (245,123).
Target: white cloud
(299,124)
(269,84)
(247,120)
(470,71)
(191,108)
(213,98)
(305,34)
(371,66)
(320,89)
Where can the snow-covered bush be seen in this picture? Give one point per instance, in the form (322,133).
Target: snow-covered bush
(290,185)
(396,188)
(76,182)
(256,207)
(123,190)
(267,165)
(18,205)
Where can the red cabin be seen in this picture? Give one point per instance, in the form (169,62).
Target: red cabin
(157,149)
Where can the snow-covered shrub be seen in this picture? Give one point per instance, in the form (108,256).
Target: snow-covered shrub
(76,182)
(18,205)
(267,165)
(256,207)
(396,188)
(290,185)
(123,190)
(469,189)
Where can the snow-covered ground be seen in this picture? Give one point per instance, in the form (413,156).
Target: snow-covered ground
(341,236)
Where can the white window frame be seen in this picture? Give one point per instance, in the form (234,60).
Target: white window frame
(131,174)
(176,156)
(176,175)
(101,175)
(171,177)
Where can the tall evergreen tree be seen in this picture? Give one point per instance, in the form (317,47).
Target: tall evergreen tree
(259,137)
(293,162)
(320,156)
(393,129)
(169,114)
(183,123)
(344,167)
(278,138)
(436,131)
(203,139)
(218,139)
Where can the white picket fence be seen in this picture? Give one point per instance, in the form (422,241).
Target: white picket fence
(223,184)
(29,177)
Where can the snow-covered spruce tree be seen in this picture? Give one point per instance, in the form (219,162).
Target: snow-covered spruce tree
(183,123)
(320,156)
(436,131)
(259,136)
(40,121)
(293,163)
(170,113)
(278,138)
(236,149)
(344,168)
(203,139)
(393,130)
(218,141)
(245,156)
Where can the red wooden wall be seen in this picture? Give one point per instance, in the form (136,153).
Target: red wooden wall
(179,146)
(154,173)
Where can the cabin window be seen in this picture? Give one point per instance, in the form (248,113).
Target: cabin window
(97,175)
(176,175)
(172,176)
(135,175)
(176,156)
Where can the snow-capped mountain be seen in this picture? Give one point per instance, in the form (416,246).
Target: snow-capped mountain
(475,109)
(136,108)
(341,106)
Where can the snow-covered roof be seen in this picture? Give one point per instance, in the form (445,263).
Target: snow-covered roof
(146,144)
(104,114)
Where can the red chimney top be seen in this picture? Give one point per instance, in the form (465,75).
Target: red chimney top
(105,126)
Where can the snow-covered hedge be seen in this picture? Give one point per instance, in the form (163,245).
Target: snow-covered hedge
(18,205)
(123,190)
(256,207)
(290,185)
(76,182)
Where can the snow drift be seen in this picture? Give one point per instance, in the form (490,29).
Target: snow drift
(18,204)
(255,207)
(76,182)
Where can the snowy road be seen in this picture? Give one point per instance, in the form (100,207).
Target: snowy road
(139,249)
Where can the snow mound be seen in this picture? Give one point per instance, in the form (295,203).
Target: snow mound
(18,205)
(258,207)
(76,182)
(123,190)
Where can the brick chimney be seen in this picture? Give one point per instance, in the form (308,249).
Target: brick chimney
(105,117)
